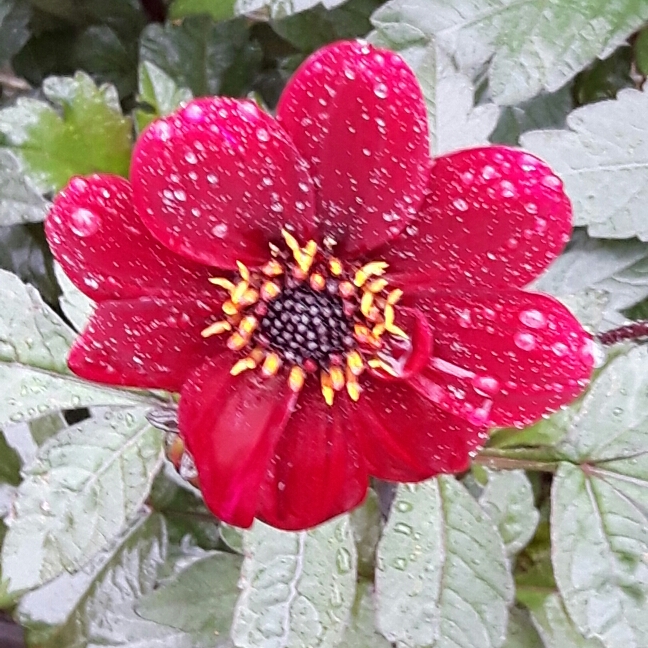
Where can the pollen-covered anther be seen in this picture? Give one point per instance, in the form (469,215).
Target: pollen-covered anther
(243,271)
(216,329)
(389,323)
(376,363)
(326,385)
(377,285)
(248,325)
(352,386)
(221,282)
(336,267)
(317,281)
(244,364)
(375,268)
(236,341)
(229,307)
(337,378)
(271,365)
(239,290)
(346,289)
(272,269)
(296,378)
(269,290)
(250,296)
(394,296)
(355,364)
(366,303)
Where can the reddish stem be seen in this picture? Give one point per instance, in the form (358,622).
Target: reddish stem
(633,331)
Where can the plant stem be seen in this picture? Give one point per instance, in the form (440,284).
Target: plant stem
(492,459)
(634,331)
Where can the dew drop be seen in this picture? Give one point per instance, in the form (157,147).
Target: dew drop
(343,561)
(525,341)
(220,230)
(402,528)
(403,507)
(194,113)
(212,178)
(262,135)
(381,90)
(84,222)
(488,172)
(190,157)
(552,181)
(508,189)
(533,318)
(486,385)
(400,564)
(180,195)
(460,204)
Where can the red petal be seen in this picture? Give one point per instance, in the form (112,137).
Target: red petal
(231,425)
(506,358)
(146,342)
(495,217)
(218,179)
(317,471)
(357,114)
(406,438)
(105,249)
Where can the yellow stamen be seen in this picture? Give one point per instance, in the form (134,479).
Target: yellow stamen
(221,282)
(271,365)
(296,378)
(257,355)
(272,269)
(310,248)
(243,271)
(239,290)
(317,281)
(374,314)
(394,296)
(398,332)
(216,329)
(337,378)
(291,242)
(269,290)
(352,386)
(389,323)
(378,330)
(346,289)
(327,388)
(354,363)
(336,267)
(361,331)
(243,365)
(236,341)
(375,363)
(229,308)
(248,325)
(250,297)
(377,285)
(366,303)
(375,268)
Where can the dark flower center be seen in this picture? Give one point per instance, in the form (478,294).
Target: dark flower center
(302,324)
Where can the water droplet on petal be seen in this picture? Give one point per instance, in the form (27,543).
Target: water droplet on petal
(488,172)
(220,230)
(460,204)
(381,90)
(84,222)
(486,385)
(533,318)
(508,189)
(262,135)
(190,157)
(525,341)
(552,181)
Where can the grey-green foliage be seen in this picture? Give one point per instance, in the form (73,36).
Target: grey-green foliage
(602,157)
(86,483)
(297,588)
(528,45)
(442,570)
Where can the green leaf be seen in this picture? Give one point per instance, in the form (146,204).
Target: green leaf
(34,343)
(361,631)
(10,463)
(232,537)
(96,607)
(20,201)
(603,161)
(159,91)
(454,121)
(641,51)
(87,482)
(524,42)
(442,570)
(276,9)
(14,27)
(546,110)
(508,501)
(90,136)
(521,633)
(599,543)
(316,27)
(556,628)
(297,588)
(604,79)
(200,600)
(206,57)
(76,306)
(217,9)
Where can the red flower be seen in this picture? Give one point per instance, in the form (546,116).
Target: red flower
(366,318)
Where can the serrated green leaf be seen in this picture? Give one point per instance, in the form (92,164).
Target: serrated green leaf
(599,539)
(603,161)
(76,306)
(20,202)
(206,57)
(217,9)
(443,578)
(277,9)
(90,136)
(556,628)
(14,27)
(521,633)
(454,121)
(545,111)
(200,600)
(96,607)
(297,588)
(641,51)
(524,42)
(318,26)
(508,501)
(87,482)
(159,91)
(361,631)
